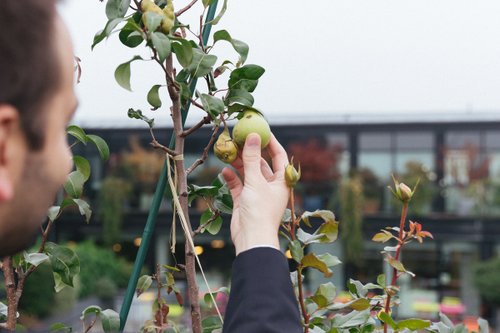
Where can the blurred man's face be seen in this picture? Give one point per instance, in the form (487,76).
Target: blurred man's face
(37,176)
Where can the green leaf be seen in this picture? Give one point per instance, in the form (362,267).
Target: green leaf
(201,64)
(183,51)
(82,165)
(382,237)
(210,324)
(245,77)
(130,37)
(122,73)
(381,280)
(296,250)
(104,33)
(307,238)
(35,259)
(219,16)
(239,46)
(153,98)
(387,319)
(311,260)
(398,265)
(60,328)
(162,45)
(239,97)
(413,324)
(324,295)
(329,259)
(110,321)
(53,212)
(137,114)
(352,319)
(213,105)
(360,304)
(84,209)
(329,230)
(325,215)
(92,309)
(101,145)
(483,325)
(74,184)
(116,8)
(78,133)
(64,261)
(214,226)
(152,20)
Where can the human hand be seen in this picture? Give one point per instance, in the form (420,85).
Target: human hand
(260,200)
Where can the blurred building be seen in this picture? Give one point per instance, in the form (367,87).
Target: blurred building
(455,157)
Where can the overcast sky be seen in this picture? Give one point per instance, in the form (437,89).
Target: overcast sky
(323,57)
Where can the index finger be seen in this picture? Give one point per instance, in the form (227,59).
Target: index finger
(278,155)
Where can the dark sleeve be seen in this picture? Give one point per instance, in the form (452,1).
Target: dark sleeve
(262,298)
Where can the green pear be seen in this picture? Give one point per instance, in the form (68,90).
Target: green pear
(225,149)
(251,122)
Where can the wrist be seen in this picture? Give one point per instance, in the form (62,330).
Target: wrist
(250,243)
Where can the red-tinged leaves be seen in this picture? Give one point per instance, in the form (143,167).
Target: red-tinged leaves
(417,232)
(311,260)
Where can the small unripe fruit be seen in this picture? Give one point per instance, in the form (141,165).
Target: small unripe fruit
(168,22)
(225,149)
(292,175)
(252,122)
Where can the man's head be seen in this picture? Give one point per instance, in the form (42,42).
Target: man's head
(36,102)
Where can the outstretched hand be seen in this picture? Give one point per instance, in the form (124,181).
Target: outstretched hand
(260,196)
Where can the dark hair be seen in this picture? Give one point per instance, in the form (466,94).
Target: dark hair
(29,70)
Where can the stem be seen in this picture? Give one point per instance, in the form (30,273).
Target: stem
(182,189)
(159,319)
(205,120)
(301,299)
(292,210)
(180,12)
(204,156)
(404,212)
(12,301)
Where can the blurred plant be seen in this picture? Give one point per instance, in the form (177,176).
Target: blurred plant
(112,200)
(487,279)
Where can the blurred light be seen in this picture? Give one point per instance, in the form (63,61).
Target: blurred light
(198,250)
(217,243)
(288,254)
(137,241)
(117,247)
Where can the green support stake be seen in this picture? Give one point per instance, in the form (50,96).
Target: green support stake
(160,190)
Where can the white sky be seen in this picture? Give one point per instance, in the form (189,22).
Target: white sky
(323,57)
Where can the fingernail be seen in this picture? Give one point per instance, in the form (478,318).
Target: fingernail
(253,140)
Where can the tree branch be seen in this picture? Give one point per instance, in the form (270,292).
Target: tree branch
(203,157)
(180,12)
(10,286)
(195,103)
(206,120)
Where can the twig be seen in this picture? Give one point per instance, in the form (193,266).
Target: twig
(200,228)
(180,12)
(155,144)
(195,103)
(204,156)
(206,120)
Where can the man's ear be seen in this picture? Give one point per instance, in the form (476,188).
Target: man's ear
(9,131)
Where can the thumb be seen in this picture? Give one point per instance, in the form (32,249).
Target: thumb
(251,157)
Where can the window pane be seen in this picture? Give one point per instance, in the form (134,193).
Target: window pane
(369,141)
(462,139)
(424,158)
(415,140)
(378,162)
(492,139)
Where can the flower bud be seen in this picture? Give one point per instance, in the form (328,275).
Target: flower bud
(292,176)
(405,192)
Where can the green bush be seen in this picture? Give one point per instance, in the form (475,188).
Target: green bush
(487,278)
(39,295)
(97,263)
